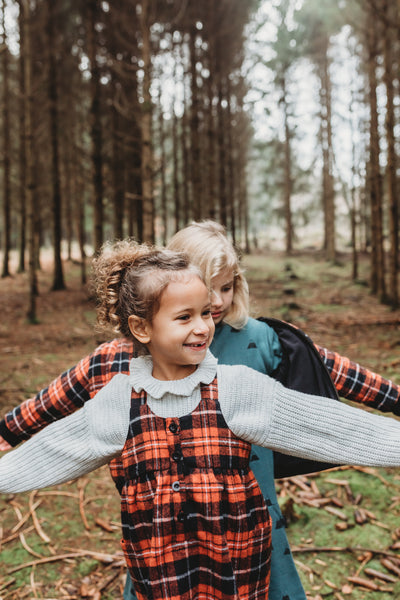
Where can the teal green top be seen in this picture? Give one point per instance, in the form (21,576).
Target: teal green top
(257,346)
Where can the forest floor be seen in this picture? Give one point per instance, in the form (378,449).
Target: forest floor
(344,525)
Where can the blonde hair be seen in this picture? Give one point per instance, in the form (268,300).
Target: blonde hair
(129,279)
(208,247)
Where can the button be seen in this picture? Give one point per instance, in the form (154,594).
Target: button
(177,455)
(176,486)
(182,516)
(173,427)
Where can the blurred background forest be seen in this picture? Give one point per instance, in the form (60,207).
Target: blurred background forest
(279,119)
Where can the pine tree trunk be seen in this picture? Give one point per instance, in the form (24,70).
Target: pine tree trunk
(175,161)
(117,176)
(29,153)
(221,193)
(95,125)
(186,208)
(146,128)
(163,168)
(375,183)
(391,174)
(22,159)
(195,167)
(58,276)
(231,186)
(211,161)
(287,187)
(327,156)
(6,152)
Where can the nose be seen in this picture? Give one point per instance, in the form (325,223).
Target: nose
(216,299)
(201,327)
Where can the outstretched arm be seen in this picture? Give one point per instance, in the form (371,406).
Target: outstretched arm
(354,382)
(67,393)
(259,409)
(73,446)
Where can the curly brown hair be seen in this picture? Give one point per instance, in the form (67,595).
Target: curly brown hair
(129,279)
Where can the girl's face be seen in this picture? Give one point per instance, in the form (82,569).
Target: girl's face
(222,295)
(181,330)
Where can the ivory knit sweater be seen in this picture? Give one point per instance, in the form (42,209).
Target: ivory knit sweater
(256,408)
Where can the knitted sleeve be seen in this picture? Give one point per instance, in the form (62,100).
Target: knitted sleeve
(263,412)
(68,392)
(73,446)
(356,383)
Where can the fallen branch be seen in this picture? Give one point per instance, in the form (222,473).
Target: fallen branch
(302,549)
(12,537)
(58,493)
(43,561)
(27,547)
(35,519)
(366,583)
(105,558)
(22,520)
(379,575)
(82,486)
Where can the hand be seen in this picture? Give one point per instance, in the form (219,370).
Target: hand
(4,445)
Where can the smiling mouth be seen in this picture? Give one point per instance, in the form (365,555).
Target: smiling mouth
(198,346)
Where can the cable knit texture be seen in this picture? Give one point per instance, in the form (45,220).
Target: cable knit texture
(256,408)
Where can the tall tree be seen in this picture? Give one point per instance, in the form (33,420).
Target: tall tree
(285,48)
(6,148)
(93,14)
(25,7)
(390,12)
(146,124)
(320,20)
(22,147)
(374,187)
(58,275)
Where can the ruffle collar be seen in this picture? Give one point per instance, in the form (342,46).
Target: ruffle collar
(140,375)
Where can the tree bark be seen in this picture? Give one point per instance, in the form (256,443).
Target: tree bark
(58,275)
(146,127)
(288,184)
(195,167)
(391,164)
(29,153)
(22,158)
(378,285)
(327,154)
(6,152)
(95,125)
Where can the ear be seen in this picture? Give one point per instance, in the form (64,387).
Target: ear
(140,329)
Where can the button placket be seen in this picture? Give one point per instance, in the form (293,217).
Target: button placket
(173,429)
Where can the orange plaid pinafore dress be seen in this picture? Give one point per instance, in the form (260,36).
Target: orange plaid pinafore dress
(194,521)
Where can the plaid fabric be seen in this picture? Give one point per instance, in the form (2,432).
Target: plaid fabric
(194,521)
(70,390)
(73,388)
(360,385)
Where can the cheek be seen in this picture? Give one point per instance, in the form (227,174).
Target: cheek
(228,299)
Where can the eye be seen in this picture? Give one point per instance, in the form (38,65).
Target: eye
(183,318)
(207,312)
(227,288)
